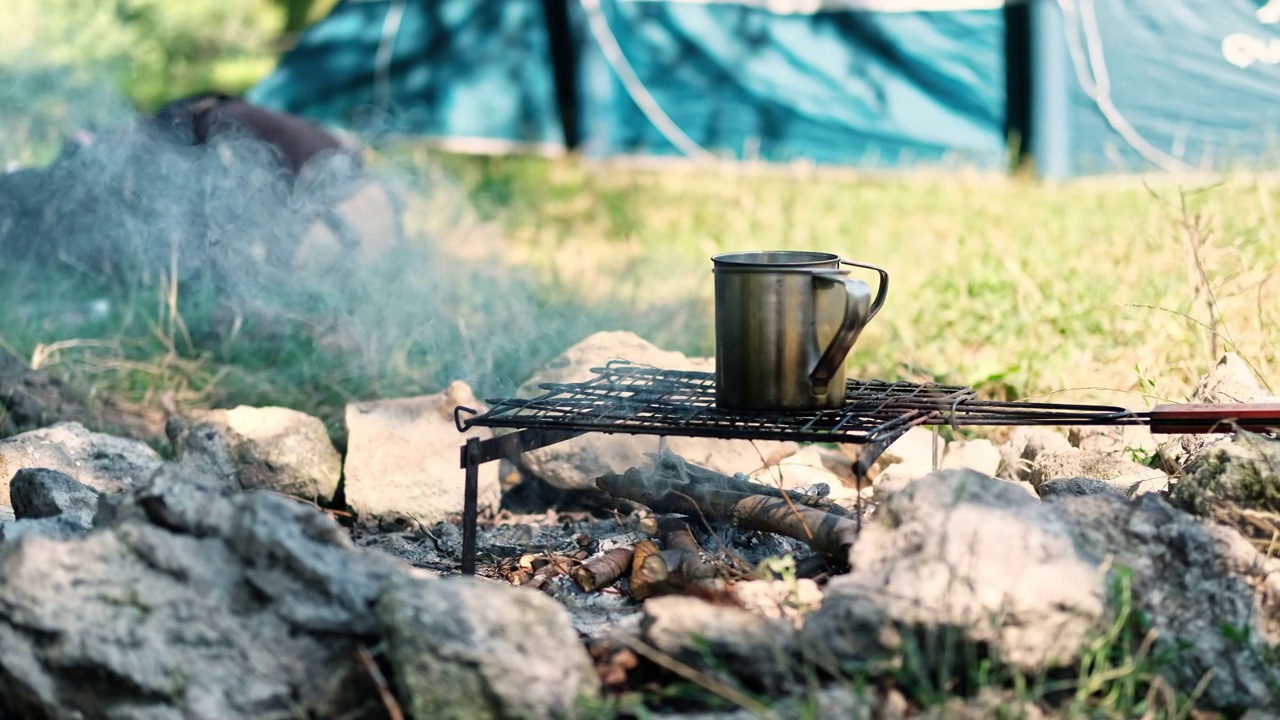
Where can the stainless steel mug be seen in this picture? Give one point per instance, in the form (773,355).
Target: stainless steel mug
(785,323)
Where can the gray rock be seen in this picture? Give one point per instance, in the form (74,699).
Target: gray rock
(468,648)
(43,493)
(759,651)
(961,554)
(105,463)
(30,399)
(269,448)
(831,702)
(1243,472)
(419,552)
(596,616)
(190,602)
(1072,462)
(1177,453)
(1077,486)
(990,702)
(575,464)
(958,559)
(58,528)
(402,456)
(1230,381)
(1211,598)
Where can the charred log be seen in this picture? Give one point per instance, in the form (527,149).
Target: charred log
(669,485)
(604,569)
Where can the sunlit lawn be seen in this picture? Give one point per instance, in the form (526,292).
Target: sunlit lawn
(1017,288)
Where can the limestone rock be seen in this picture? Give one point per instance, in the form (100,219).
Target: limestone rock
(915,447)
(1132,441)
(1212,598)
(1072,462)
(1237,482)
(964,559)
(729,456)
(978,454)
(469,648)
(403,456)
(1024,446)
(779,599)
(575,464)
(898,476)
(105,463)
(1230,381)
(43,493)
(958,552)
(759,651)
(260,448)
(811,466)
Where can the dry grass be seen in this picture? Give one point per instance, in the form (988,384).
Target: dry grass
(1120,293)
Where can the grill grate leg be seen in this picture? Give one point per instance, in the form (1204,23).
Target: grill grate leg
(470,504)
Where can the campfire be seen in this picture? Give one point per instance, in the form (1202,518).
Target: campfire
(628,398)
(629,535)
(756,524)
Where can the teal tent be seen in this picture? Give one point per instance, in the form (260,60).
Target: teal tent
(1155,85)
(475,73)
(866,83)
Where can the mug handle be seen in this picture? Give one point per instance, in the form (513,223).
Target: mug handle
(850,328)
(881,292)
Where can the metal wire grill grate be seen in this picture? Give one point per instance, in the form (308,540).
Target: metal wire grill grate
(627,398)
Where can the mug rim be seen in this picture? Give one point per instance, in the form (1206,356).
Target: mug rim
(739,258)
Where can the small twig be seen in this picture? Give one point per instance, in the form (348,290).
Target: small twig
(380,681)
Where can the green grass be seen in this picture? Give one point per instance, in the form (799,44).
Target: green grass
(1083,292)
(1021,288)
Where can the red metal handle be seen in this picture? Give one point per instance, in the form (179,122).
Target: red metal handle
(1211,418)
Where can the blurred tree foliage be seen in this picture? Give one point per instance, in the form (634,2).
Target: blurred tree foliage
(155,50)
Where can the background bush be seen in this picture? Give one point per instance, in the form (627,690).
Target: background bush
(153,50)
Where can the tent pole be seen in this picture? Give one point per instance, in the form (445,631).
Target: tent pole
(1051,75)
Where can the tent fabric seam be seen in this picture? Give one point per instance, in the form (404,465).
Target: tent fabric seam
(813,7)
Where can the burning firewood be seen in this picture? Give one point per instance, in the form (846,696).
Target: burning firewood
(682,546)
(679,565)
(604,569)
(643,580)
(670,485)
